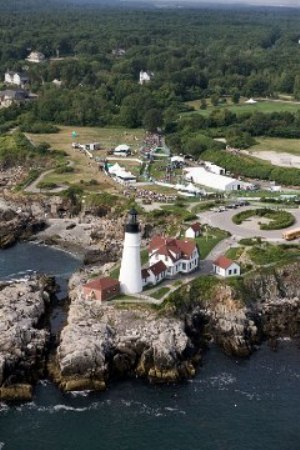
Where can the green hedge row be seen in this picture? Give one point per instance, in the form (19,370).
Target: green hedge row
(278,219)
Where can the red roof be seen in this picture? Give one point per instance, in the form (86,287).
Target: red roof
(223,262)
(196,226)
(158,268)
(99,284)
(145,274)
(173,248)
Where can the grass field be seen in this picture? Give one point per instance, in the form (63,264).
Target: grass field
(260,106)
(84,168)
(277,145)
(208,241)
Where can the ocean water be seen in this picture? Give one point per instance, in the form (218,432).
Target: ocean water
(231,404)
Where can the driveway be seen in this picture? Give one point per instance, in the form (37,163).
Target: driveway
(223,220)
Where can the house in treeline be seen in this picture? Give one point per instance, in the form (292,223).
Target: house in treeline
(193,231)
(11,97)
(118,52)
(101,289)
(225,267)
(16,78)
(36,57)
(145,77)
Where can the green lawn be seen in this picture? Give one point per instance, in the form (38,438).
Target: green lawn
(260,106)
(160,292)
(208,241)
(277,145)
(266,253)
(234,252)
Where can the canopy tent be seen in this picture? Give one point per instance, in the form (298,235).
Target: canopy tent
(179,159)
(115,168)
(251,101)
(122,148)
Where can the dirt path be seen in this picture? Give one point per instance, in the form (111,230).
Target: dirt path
(33,188)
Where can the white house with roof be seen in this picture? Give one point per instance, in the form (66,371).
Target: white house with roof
(145,77)
(193,231)
(225,267)
(16,78)
(178,255)
(36,57)
(154,274)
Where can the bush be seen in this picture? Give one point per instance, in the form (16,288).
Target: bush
(278,219)
(38,128)
(65,169)
(47,185)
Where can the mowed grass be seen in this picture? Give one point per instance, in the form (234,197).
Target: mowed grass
(84,168)
(277,145)
(209,240)
(260,106)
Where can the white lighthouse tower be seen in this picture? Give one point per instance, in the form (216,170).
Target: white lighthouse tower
(130,273)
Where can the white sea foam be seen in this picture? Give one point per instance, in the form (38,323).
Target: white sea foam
(2,445)
(249,395)
(69,408)
(3,407)
(80,393)
(221,381)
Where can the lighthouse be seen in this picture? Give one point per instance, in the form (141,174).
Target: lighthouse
(130,273)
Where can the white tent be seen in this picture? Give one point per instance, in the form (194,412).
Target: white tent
(122,148)
(201,176)
(251,101)
(115,168)
(179,159)
(191,188)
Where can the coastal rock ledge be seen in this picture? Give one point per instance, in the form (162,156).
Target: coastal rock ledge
(22,342)
(103,342)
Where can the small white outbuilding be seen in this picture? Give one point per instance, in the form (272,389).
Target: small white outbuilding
(193,231)
(225,267)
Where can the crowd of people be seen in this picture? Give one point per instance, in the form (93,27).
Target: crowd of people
(149,196)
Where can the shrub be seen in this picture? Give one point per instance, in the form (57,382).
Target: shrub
(278,219)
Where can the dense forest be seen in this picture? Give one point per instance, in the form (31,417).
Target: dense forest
(203,53)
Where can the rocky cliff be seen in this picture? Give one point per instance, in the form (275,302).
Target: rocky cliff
(23,342)
(14,226)
(115,342)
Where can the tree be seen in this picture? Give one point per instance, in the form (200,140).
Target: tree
(214,99)
(203,104)
(152,119)
(235,98)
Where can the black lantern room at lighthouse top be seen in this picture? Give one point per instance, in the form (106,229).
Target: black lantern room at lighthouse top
(132,224)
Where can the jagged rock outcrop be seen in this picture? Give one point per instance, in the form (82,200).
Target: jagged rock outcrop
(226,321)
(14,226)
(22,342)
(113,342)
(277,296)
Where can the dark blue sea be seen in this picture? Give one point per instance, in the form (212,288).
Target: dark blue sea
(231,404)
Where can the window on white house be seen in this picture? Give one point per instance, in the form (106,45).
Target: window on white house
(183,266)
(235,271)
(229,271)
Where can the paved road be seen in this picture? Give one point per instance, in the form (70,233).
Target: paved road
(223,220)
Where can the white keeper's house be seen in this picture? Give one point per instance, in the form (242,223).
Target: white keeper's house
(225,267)
(178,255)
